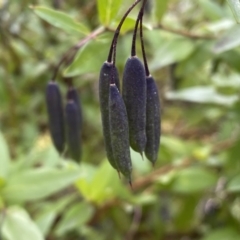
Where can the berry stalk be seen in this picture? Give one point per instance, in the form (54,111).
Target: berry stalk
(112,52)
(142,46)
(140,15)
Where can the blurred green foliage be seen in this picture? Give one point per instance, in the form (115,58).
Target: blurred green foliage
(191,193)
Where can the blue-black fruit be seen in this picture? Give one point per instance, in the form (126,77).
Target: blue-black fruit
(108,74)
(153,121)
(55,115)
(119,132)
(134,96)
(73,95)
(73,128)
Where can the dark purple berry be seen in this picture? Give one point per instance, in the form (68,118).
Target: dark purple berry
(55,115)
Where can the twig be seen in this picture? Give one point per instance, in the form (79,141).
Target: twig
(70,54)
(184,33)
(135,223)
(146,180)
(178,32)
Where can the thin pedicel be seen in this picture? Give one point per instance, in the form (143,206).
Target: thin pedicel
(140,15)
(142,42)
(115,38)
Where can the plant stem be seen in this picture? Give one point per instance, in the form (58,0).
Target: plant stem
(68,57)
(116,34)
(133,51)
(183,33)
(142,46)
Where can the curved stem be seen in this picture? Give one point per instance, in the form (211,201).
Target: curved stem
(62,60)
(143,48)
(112,50)
(69,82)
(140,14)
(68,57)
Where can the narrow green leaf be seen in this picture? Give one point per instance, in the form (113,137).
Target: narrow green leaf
(38,183)
(48,211)
(160,8)
(235,7)
(191,180)
(192,64)
(77,215)
(202,95)
(104,185)
(102,188)
(107,10)
(60,20)
(226,233)
(46,222)
(170,47)
(229,40)
(232,58)
(234,184)
(211,9)
(89,58)
(4,157)
(18,225)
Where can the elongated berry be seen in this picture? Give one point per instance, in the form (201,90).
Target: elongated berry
(55,115)
(73,95)
(108,72)
(73,128)
(119,132)
(134,96)
(153,127)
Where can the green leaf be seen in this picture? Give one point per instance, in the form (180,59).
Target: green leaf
(104,185)
(76,216)
(229,40)
(226,233)
(170,47)
(38,183)
(160,8)
(186,213)
(177,146)
(232,58)
(202,95)
(211,9)
(89,59)
(48,212)
(60,20)
(235,7)
(4,159)
(234,184)
(201,54)
(46,221)
(48,157)
(18,225)
(193,180)
(229,87)
(107,10)
(93,233)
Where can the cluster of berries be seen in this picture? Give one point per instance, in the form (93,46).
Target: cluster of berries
(130,119)
(65,126)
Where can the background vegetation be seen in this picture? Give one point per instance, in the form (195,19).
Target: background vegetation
(191,193)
